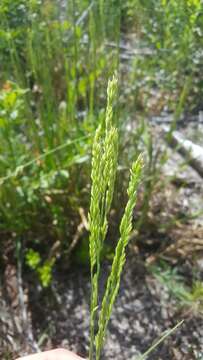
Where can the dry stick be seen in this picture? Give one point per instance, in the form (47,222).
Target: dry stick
(80,229)
(84,14)
(81,18)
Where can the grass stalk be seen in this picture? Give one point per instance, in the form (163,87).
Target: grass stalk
(104,166)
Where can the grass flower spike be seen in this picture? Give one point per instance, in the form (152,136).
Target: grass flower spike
(104,166)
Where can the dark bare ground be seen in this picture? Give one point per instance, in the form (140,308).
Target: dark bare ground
(144,309)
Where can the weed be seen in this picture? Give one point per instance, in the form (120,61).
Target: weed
(188,298)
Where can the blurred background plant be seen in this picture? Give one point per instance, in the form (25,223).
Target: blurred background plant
(55,59)
(188,296)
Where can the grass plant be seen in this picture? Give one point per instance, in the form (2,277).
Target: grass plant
(104,166)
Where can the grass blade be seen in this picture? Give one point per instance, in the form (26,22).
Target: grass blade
(159,341)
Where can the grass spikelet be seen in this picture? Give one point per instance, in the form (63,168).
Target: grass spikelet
(104,166)
(113,281)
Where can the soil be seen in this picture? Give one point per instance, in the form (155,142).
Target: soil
(144,309)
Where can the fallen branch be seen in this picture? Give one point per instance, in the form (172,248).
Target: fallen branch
(192,152)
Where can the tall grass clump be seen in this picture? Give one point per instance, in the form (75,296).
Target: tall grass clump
(104,166)
(55,67)
(171,30)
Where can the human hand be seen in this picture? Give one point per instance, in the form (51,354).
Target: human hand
(57,354)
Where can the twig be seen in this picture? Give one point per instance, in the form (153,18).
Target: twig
(81,18)
(81,227)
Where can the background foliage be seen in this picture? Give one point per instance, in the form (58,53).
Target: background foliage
(55,59)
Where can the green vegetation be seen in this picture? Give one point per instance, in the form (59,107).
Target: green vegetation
(55,59)
(189,298)
(54,70)
(172,30)
(56,62)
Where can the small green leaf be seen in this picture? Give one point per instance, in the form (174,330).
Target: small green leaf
(32,259)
